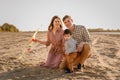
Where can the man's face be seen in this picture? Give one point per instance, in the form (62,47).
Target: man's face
(67,36)
(68,22)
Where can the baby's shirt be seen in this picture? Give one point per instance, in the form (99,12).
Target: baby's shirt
(70,46)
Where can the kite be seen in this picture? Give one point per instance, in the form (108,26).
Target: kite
(30,44)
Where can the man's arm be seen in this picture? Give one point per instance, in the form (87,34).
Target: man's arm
(86,36)
(86,39)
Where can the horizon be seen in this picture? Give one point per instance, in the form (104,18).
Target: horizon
(29,15)
(63,28)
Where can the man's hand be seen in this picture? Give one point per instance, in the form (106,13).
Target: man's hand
(80,47)
(65,54)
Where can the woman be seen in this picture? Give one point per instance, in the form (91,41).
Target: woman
(55,38)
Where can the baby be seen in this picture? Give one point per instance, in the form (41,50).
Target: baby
(70,50)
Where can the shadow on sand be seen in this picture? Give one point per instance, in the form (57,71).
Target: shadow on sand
(40,73)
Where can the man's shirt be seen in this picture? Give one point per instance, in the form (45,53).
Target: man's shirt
(81,34)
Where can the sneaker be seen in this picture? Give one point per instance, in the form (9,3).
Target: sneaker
(67,70)
(79,66)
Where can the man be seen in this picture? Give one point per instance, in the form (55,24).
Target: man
(81,35)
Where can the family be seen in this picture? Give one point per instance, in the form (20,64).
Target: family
(69,47)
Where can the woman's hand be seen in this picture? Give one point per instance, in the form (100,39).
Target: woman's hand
(34,40)
(41,42)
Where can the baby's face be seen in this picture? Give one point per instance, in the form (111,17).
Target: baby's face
(67,36)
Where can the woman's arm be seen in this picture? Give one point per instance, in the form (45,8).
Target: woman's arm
(42,42)
(47,43)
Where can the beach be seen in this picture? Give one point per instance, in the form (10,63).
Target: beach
(104,64)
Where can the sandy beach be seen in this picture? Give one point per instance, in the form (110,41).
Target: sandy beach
(104,64)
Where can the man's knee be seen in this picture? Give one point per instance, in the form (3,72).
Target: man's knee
(86,47)
(86,50)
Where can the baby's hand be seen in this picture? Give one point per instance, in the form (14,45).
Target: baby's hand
(66,53)
(63,48)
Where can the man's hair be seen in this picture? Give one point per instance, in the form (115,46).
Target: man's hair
(66,16)
(67,31)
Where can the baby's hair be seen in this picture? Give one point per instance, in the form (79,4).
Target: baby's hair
(67,31)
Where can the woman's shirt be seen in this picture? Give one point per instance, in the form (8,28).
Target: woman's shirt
(56,40)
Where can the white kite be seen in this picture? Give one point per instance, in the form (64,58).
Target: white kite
(29,45)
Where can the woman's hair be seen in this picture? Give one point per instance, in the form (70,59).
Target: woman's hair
(51,26)
(67,31)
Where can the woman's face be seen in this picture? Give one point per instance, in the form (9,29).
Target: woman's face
(57,23)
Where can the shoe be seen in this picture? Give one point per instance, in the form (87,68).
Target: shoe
(67,70)
(79,66)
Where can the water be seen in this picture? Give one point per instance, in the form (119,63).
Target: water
(115,33)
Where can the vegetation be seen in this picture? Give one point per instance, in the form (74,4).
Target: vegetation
(8,28)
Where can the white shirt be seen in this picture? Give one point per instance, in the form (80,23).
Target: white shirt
(70,46)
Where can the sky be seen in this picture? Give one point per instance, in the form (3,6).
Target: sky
(29,15)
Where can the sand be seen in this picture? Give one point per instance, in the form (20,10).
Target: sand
(103,65)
